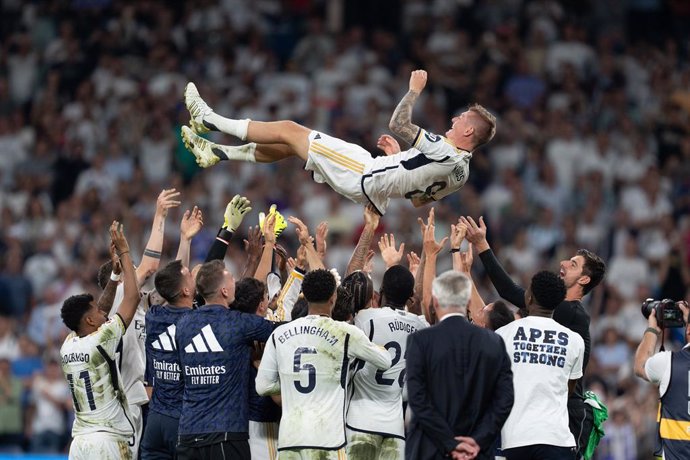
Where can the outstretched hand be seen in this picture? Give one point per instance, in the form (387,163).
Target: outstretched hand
(191,224)
(167,199)
(321,234)
(457,234)
(388,144)
(390,255)
(476,233)
(252,245)
(371,217)
(431,246)
(117,237)
(302,231)
(114,259)
(235,211)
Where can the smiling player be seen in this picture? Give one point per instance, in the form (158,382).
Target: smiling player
(433,168)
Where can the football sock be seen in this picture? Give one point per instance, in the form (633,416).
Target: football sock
(237,128)
(241,152)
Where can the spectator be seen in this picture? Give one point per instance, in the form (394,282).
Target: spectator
(51,398)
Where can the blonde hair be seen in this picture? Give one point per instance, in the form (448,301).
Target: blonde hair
(487,127)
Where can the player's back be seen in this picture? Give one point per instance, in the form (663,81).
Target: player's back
(313,355)
(94,380)
(376,401)
(163,359)
(215,344)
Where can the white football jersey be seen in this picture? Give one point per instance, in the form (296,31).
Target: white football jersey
(89,366)
(308,362)
(433,168)
(544,356)
(376,402)
(132,357)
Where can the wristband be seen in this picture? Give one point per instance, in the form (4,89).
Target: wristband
(115,276)
(225,235)
(654,331)
(454,250)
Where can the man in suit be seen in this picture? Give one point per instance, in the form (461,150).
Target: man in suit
(459,381)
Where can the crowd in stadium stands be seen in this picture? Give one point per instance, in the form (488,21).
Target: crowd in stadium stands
(592,150)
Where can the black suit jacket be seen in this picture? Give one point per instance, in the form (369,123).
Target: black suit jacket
(459,383)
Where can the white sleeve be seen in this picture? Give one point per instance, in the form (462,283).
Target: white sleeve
(433,146)
(288,296)
(361,347)
(658,368)
(576,371)
(267,378)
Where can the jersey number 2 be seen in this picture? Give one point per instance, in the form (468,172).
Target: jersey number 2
(379,374)
(84,375)
(299,367)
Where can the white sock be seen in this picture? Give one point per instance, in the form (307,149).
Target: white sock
(237,128)
(241,152)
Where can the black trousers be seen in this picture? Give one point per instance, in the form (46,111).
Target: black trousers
(159,441)
(225,450)
(540,452)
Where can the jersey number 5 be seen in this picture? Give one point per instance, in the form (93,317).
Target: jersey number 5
(84,375)
(379,373)
(299,367)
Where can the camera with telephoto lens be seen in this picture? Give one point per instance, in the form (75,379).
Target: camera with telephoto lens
(668,312)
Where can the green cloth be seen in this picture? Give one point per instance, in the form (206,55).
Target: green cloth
(11,407)
(601,413)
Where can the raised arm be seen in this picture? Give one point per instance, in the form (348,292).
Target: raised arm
(505,286)
(105,301)
(152,254)
(431,250)
(235,211)
(389,254)
(462,262)
(269,243)
(313,259)
(401,121)
(359,256)
(131,297)
(191,224)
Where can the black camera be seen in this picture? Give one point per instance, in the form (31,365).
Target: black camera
(668,312)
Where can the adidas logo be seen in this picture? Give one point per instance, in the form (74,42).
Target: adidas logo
(204,342)
(166,340)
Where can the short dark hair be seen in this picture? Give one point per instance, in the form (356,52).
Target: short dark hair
(104,272)
(499,315)
(343,309)
(168,280)
(397,286)
(74,308)
(594,267)
(548,289)
(318,286)
(209,278)
(300,309)
(361,287)
(249,293)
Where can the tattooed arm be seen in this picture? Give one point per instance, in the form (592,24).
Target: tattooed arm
(371,223)
(152,254)
(401,121)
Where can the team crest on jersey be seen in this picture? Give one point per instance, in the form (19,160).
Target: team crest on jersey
(432,137)
(459,173)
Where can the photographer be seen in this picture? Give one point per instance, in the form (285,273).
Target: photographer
(671,371)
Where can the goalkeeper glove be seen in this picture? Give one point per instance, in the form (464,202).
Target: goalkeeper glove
(281,224)
(235,212)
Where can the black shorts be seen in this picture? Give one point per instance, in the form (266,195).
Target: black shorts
(581,421)
(159,441)
(540,452)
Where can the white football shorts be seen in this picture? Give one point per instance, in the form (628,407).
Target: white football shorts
(101,446)
(263,440)
(338,164)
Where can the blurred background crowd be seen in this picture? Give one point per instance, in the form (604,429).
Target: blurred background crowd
(592,150)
